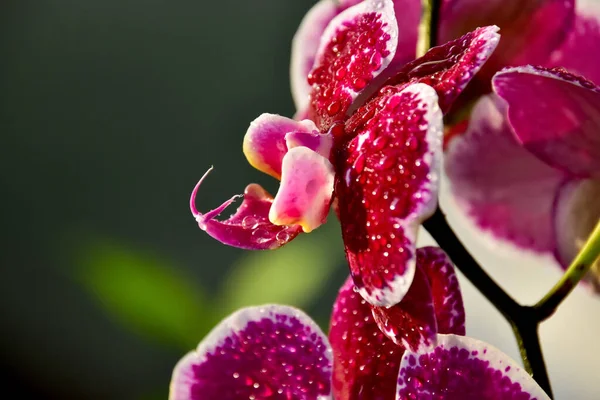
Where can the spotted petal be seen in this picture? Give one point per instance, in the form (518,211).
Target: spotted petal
(448,68)
(249,228)
(556,115)
(274,352)
(445,290)
(305,45)
(411,322)
(366,362)
(355,47)
(461,368)
(502,186)
(306,188)
(265,143)
(531,30)
(387,182)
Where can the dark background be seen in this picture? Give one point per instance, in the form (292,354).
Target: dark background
(110,112)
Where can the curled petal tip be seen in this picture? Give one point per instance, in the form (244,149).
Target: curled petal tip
(193,208)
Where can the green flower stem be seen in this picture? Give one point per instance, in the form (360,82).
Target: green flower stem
(523,319)
(428,28)
(580,266)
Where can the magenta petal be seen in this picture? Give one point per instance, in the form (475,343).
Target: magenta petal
(386,183)
(356,46)
(531,30)
(576,213)
(580,52)
(305,45)
(501,185)
(450,67)
(274,352)
(411,322)
(265,144)
(447,299)
(318,142)
(366,362)
(556,115)
(249,228)
(460,368)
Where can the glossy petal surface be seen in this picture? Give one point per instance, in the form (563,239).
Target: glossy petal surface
(411,322)
(366,362)
(502,186)
(264,142)
(462,368)
(577,211)
(387,182)
(306,189)
(249,228)
(305,44)
(445,290)
(531,29)
(356,46)
(450,67)
(273,352)
(556,115)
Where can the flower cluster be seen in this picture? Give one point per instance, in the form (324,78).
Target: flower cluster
(367,140)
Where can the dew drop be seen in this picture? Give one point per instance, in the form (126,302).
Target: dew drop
(282,237)
(249,222)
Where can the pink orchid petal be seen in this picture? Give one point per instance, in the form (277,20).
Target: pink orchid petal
(502,186)
(460,368)
(577,211)
(318,142)
(249,228)
(531,30)
(448,68)
(305,44)
(305,192)
(445,290)
(365,362)
(387,183)
(579,52)
(355,47)
(556,115)
(411,322)
(264,142)
(262,352)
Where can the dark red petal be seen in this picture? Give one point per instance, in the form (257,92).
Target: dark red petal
(249,228)
(412,321)
(365,361)
(268,352)
(386,183)
(450,67)
(356,46)
(447,299)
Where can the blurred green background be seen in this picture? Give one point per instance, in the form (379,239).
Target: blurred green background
(110,112)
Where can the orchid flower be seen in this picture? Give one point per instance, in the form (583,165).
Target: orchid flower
(414,350)
(373,142)
(539,186)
